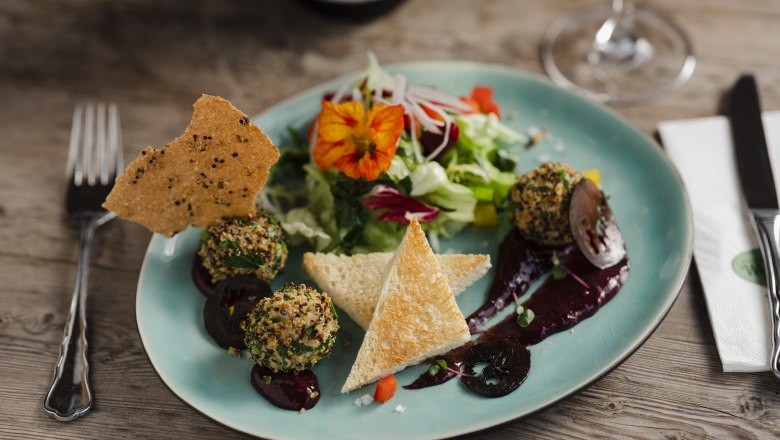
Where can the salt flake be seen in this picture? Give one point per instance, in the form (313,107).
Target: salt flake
(365,399)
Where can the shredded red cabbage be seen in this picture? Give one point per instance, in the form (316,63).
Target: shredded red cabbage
(400,208)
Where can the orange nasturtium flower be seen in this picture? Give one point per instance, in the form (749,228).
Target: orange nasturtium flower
(359,143)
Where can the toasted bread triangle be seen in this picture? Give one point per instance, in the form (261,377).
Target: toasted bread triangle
(416,316)
(355,281)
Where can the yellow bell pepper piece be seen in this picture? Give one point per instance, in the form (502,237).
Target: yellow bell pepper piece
(485,215)
(593,175)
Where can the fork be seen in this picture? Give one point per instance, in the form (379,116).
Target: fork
(94,161)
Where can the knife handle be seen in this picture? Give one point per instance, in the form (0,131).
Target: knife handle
(767,224)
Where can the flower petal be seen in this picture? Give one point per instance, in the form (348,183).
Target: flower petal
(336,121)
(387,123)
(326,155)
(348,164)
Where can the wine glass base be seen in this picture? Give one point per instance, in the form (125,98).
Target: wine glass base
(664,60)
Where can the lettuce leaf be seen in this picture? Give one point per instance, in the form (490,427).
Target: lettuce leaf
(481,159)
(482,132)
(380,237)
(301,226)
(457,201)
(427,178)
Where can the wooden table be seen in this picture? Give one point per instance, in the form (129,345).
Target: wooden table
(154,58)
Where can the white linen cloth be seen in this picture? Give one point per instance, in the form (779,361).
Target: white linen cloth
(703,152)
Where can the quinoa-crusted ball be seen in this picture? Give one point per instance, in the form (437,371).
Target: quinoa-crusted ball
(292,330)
(540,203)
(243,246)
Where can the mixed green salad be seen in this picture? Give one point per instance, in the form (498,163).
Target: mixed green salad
(381,151)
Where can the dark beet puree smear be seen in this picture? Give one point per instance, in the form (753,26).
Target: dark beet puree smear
(520,263)
(558,305)
(287,390)
(561,304)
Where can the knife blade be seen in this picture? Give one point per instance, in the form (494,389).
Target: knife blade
(755,170)
(758,187)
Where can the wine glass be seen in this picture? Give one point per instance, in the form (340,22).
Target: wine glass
(618,55)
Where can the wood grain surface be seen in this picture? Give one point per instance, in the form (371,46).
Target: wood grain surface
(154,58)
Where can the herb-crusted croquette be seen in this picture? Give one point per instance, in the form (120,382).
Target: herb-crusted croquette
(540,203)
(244,246)
(292,330)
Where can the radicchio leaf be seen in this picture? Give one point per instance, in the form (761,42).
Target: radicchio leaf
(400,208)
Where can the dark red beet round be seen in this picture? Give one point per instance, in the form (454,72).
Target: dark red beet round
(593,226)
(232,299)
(508,366)
(293,391)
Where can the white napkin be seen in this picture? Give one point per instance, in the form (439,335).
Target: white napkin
(703,152)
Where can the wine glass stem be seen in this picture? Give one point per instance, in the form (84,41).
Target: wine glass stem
(623,13)
(618,6)
(616,43)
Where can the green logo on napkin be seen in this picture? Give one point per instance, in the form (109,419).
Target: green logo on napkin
(750,266)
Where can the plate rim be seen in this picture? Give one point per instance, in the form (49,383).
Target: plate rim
(638,342)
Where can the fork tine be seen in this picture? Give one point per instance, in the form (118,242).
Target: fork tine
(73,170)
(88,151)
(95,150)
(101,145)
(116,160)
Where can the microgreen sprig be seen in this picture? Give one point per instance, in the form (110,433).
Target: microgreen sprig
(524,316)
(560,271)
(440,365)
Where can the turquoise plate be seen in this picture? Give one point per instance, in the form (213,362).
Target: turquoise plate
(645,193)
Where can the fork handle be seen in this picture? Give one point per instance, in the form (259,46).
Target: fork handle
(70,395)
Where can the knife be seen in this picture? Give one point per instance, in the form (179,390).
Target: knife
(758,187)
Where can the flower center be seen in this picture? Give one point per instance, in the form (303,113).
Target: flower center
(363,138)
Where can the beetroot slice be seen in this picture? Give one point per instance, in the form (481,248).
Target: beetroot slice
(231,301)
(508,367)
(292,391)
(593,226)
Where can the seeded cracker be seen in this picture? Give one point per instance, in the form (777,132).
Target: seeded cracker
(213,170)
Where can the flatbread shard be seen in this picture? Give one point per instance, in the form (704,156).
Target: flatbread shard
(213,170)
(355,281)
(416,317)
